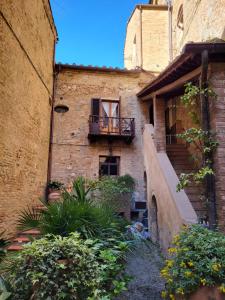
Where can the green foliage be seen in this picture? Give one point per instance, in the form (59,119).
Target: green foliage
(55,185)
(203,141)
(3,243)
(112,187)
(58,267)
(197,259)
(75,212)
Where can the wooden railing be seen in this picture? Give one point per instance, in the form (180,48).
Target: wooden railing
(111,126)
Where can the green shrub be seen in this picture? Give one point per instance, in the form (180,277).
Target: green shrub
(68,268)
(197,259)
(75,212)
(55,185)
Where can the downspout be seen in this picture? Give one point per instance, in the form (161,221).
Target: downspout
(141,39)
(205,117)
(55,73)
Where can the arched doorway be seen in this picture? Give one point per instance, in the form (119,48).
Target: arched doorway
(154,219)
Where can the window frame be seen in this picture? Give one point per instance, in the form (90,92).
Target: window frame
(117,164)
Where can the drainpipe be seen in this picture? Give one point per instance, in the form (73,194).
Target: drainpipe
(55,73)
(205,117)
(141,39)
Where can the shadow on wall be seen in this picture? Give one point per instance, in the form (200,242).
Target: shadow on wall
(223,34)
(154,220)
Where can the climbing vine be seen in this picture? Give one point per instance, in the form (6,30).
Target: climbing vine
(204,142)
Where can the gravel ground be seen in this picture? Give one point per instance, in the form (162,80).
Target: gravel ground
(144,265)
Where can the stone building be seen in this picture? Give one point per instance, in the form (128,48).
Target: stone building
(109,121)
(98,124)
(27,43)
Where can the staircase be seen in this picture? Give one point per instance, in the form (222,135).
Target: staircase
(26,236)
(180,159)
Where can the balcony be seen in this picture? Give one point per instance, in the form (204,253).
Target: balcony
(112,128)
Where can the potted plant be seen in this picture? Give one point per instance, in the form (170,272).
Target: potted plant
(195,268)
(54,190)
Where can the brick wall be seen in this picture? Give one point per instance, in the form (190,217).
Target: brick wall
(217,81)
(26,76)
(73,154)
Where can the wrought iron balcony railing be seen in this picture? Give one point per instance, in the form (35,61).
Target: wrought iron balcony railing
(110,126)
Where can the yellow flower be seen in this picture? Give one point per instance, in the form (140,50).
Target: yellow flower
(172,297)
(190,264)
(216,267)
(188,273)
(170,280)
(172,250)
(222,288)
(169,263)
(164,294)
(182,264)
(203,281)
(180,291)
(176,239)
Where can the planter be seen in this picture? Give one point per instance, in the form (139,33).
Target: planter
(53,195)
(205,293)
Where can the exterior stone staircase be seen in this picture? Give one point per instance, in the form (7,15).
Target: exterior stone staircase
(180,159)
(25,236)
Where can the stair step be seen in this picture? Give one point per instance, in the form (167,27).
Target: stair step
(15,247)
(31,232)
(22,239)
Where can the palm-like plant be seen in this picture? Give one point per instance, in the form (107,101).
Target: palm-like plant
(75,212)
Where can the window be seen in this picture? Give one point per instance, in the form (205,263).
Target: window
(109,165)
(180,18)
(105,113)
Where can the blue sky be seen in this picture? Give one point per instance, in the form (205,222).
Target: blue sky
(92,32)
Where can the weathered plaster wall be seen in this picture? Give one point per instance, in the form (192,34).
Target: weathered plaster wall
(149,23)
(73,154)
(171,209)
(203,20)
(26,82)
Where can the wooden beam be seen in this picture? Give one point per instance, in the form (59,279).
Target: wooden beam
(177,83)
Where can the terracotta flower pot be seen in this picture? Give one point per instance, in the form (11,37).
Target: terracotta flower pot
(53,195)
(205,293)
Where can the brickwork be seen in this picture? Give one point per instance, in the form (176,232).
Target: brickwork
(160,128)
(73,154)
(217,81)
(26,76)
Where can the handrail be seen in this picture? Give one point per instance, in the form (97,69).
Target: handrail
(99,125)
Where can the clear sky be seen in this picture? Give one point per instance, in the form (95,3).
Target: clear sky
(92,32)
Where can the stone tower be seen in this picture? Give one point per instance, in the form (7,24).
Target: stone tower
(146,43)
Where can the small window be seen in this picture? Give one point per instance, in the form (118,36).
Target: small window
(180,18)
(109,165)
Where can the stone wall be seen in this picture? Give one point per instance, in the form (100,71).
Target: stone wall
(146,44)
(26,76)
(202,20)
(73,154)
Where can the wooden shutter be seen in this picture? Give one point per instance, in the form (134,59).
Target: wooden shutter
(95,107)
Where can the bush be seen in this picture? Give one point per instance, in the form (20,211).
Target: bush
(55,185)
(198,259)
(68,268)
(75,212)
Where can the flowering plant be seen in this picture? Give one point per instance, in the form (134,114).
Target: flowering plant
(197,259)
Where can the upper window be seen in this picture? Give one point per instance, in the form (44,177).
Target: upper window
(109,165)
(180,18)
